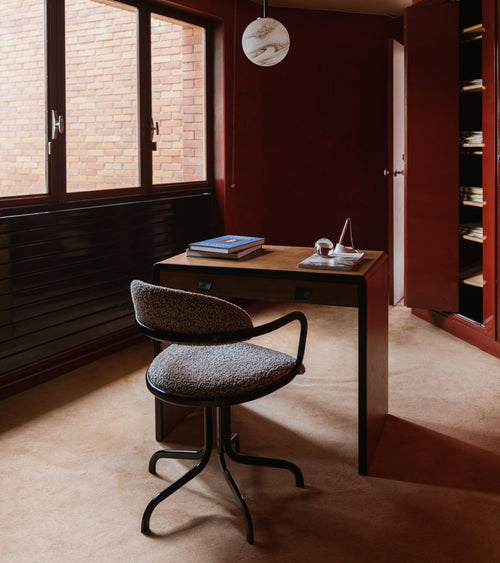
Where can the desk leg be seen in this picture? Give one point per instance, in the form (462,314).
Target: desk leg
(373,366)
(167,417)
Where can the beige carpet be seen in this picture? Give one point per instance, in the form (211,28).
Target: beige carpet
(74,455)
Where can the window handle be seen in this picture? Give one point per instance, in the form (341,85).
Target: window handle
(155,128)
(57,125)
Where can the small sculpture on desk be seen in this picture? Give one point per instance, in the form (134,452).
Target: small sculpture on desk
(324,247)
(339,247)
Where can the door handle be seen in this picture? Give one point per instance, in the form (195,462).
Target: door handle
(388,172)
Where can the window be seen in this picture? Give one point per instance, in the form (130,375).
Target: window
(113,104)
(102,137)
(178,101)
(22,96)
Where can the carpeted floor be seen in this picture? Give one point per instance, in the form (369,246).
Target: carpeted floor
(74,455)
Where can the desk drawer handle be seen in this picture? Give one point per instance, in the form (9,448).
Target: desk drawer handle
(204,285)
(303,293)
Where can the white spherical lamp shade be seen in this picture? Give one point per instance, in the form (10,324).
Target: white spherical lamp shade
(265,41)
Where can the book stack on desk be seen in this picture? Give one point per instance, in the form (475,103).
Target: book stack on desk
(231,247)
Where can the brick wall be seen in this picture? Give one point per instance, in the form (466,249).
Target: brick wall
(178,95)
(101,97)
(22,93)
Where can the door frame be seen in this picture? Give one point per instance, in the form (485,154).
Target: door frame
(396,142)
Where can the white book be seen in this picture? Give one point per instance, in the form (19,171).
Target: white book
(339,261)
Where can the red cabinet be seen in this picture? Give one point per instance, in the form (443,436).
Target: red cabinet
(451,163)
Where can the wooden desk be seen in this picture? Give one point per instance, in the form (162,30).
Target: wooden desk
(274,276)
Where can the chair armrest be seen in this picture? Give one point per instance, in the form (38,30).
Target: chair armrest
(282,321)
(234,335)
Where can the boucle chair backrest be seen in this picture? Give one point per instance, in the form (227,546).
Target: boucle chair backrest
(180,311)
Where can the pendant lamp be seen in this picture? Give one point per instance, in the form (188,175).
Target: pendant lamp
(265,41)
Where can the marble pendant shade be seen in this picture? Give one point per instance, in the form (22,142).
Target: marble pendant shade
(265,41)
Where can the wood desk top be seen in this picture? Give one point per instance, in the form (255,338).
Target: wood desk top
(274,258)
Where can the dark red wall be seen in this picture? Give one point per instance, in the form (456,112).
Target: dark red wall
(310,134)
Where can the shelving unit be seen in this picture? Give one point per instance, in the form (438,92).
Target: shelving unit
(471,145)
(452,240)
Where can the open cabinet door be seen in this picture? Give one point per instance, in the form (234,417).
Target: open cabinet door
(432,163)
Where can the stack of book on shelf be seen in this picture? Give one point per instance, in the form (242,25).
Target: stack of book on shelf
(231,247)
(471,193)
(472,230)
(471,85)
(471,138)
(338,261)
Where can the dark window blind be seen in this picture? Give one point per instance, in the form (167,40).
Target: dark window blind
(65,275)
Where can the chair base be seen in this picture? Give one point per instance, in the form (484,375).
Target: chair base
(225,441)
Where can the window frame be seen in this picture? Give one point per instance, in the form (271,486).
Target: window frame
(57,197)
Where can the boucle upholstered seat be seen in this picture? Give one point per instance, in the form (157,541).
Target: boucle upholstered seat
(221,373)
(209,363)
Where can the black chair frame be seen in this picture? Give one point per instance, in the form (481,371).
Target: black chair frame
(225,438)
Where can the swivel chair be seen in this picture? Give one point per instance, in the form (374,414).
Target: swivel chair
(208,363)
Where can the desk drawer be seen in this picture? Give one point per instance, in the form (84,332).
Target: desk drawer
(262,288)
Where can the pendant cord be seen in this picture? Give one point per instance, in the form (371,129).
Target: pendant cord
(233,132)
(265,8)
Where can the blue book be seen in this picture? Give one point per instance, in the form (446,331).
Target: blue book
(227,243)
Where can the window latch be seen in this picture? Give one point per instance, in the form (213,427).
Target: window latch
(57,126)
(155,128)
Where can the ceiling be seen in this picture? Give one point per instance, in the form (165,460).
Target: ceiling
(387,7)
